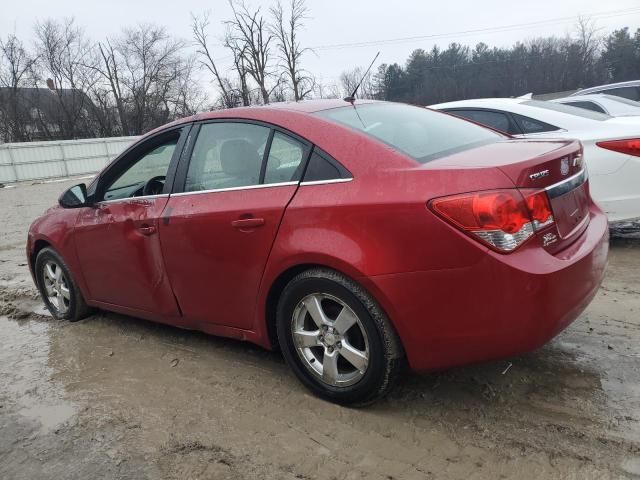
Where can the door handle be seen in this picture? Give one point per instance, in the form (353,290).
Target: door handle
(146,229)
(247,223)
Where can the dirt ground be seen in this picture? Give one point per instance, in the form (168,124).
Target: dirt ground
(116,397)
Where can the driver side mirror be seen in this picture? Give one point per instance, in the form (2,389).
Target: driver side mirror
(74,197)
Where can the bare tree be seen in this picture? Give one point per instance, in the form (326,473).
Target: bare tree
(326,91)
(238,50)
(589,43)
(187,97)
(110,71)
(149,56)
(249,30)
(199,26)
(349,81)
(66,58)
(16,71)
(285,28)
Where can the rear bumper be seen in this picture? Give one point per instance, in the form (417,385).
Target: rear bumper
(501,306)
(617,193)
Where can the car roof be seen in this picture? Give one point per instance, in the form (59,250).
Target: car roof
(480,103)
(595,96)
(257,112)
(610,86)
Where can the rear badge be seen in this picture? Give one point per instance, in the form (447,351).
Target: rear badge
(577,161)
(564,166)
(537,175)
(548,239)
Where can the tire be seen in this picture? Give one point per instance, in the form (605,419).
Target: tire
(56,285)
(336,339)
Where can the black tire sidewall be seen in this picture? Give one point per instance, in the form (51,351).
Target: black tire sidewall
(369,386)
(50,254)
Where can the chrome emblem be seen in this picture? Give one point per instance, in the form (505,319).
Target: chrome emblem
(537,175)
(577,161)
(548,239)
(564,166)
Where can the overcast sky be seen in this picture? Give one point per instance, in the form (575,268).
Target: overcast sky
(334,22)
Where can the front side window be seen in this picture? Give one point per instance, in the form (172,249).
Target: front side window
(417,132)
(147,174)
(285,161)
(226,155)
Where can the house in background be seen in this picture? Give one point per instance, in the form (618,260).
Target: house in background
(32,114)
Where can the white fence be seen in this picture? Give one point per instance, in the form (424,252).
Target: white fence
(39,160)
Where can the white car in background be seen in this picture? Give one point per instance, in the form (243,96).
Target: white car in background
(611,145)
(603,103)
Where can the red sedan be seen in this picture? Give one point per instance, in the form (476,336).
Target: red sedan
(354,237)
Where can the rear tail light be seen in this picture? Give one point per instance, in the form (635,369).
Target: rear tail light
(503,219)
(628,147)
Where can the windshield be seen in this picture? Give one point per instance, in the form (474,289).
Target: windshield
(562,108)
(418,132)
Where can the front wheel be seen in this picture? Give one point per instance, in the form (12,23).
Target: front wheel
(336,339)
(58,290)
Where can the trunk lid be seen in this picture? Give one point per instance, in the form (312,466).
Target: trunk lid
(555,167)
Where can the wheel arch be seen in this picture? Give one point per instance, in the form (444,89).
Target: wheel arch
(275,290)
(284,277)
(38,245)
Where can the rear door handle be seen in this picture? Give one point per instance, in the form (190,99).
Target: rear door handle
(247,223)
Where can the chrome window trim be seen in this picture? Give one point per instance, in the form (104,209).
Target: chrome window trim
(142,197)
(322,182)
(230,189)
(233,189)
(566,185)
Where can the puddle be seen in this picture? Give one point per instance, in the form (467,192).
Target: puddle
(24,355)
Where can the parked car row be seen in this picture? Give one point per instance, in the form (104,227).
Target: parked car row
(611,143)
(355,236)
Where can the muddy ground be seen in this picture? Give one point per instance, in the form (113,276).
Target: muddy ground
(116,397)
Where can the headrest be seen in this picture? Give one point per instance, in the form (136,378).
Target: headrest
(239,157)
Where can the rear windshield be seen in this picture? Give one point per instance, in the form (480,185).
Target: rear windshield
(562,108)
(420,133)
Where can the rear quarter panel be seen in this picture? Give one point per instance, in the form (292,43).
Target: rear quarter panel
(376,224)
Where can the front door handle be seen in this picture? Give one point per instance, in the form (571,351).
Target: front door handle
(146,229)
(247,223)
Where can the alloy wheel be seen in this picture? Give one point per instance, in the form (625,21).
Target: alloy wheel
(330,340)
(56,287)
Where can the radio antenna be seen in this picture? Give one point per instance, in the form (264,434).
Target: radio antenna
(352,98)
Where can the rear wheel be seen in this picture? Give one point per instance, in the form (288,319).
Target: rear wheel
(336,339)
(58,289)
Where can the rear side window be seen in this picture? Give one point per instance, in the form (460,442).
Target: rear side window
(226,155)
(594,107)
(529,125)
(417,132)
(498,120)
(323,167)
